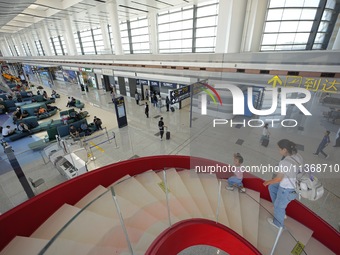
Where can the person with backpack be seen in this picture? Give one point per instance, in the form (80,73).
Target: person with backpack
(282,188)
(98,123)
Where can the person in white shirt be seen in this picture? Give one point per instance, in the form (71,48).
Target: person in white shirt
(282,186)
(265,133)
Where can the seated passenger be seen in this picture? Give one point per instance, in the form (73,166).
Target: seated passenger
(41,110)
(23,127)
(84,128)
(73,132)
(7,131)
(25,114)
(51,108)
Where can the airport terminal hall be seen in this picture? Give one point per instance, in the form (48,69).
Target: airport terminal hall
(154,127)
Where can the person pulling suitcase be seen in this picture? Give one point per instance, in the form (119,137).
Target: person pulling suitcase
(161,127)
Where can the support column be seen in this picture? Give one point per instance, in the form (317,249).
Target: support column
(106,39)
(254,25)
(69,38)
(336,44)
(117,39)
(153,35)
(45,42)
(230,25)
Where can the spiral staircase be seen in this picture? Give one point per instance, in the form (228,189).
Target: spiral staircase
(134,214)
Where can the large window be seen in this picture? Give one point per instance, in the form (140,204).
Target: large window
(124,34)
(175,30)
(87,42)
(189,29)
(77,42)
(206,26)
(98,40)
(40,49)
(297,24)
(140,35)
(58,45)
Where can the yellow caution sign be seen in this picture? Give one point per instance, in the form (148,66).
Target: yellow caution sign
(298,248)
(162,186)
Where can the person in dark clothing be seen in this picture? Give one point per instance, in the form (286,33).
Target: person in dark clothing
(147,109)
(325,141)
(155,100)
(161,127)
(337,141)
(98,123)
(167,102)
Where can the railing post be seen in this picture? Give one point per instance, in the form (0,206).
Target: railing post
(276,240)
(121,220)
(167,196)
(218,200)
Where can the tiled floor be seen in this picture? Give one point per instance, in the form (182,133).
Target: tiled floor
(139,139)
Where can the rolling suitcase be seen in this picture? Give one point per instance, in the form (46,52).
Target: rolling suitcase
(172,109)
(167,135)
(265,142)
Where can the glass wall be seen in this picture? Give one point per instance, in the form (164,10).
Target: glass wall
(87,42)
(290,24)
(139,28)
(206,26)
(98,40)
(175,30)
(125,37)
(40,49)
(57,43)
(188,29)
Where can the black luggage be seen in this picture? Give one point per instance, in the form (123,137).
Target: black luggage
(265,142)
(167,135)
(172,109)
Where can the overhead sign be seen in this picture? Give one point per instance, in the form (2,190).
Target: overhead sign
(154,83)
(179,94)
(107,72)
(168,84)
(329,85)
(143,82)
(85,69)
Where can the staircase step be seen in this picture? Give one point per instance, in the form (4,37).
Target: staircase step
(250,210)
(89,197)
(267,233)
(24,245)
(232,206)
(87,227)
(195,188)
(314,247)
(149,236)
(135,193)
(32,246)
(299,231)
(155,185)
(178,188)
(210,185)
